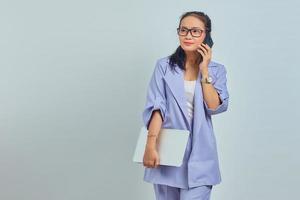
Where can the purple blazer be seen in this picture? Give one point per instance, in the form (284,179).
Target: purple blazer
(166,93)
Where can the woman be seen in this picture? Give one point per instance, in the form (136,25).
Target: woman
(185,89)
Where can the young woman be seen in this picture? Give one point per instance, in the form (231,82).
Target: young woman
(185,90)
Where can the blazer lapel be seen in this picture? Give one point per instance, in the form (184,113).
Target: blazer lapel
(199,112)
(175,81)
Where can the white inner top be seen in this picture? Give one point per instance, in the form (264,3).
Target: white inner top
(189,87)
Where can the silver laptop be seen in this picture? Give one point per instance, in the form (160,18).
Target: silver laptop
(171,146)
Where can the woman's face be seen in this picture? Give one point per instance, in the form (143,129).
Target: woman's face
(188,42)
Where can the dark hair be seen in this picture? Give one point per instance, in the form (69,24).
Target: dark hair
(179,57)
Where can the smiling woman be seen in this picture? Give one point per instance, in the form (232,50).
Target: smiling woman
(174,102)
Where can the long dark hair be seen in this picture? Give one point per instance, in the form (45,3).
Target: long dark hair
(179,57)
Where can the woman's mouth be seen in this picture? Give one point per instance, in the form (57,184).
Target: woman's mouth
(188,43)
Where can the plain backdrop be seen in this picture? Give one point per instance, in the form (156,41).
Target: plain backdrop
(73,79)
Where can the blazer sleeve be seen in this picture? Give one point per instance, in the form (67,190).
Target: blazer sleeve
(221,86)
(155,99)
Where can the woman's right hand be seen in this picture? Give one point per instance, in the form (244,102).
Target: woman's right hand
(151,157)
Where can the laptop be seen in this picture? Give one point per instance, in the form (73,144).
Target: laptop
(171,146)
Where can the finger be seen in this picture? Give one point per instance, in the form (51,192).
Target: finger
(209,49)
(206,46)
(157,163)
(147,164)
(201,52)
(203,49)
(152,164)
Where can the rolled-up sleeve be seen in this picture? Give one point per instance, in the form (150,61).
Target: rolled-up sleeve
(155,99)
(220,84)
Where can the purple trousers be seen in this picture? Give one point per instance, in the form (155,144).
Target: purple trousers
(166,192)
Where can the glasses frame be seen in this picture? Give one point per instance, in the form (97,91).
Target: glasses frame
(190,30)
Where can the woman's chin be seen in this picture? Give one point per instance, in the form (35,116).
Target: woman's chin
(190,50)
(187,48)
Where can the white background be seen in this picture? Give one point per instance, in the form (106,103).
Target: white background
(73,78)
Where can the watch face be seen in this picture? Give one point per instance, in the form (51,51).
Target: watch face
(209,79)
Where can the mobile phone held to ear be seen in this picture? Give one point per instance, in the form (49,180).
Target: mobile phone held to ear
(208,40)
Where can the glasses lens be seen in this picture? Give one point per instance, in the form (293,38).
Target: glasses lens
(196,32)
(182,31)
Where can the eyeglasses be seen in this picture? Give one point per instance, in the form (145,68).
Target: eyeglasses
(195,32)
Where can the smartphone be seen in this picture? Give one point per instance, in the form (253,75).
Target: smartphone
(208,40)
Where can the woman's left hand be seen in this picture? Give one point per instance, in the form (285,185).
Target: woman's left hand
(206,53)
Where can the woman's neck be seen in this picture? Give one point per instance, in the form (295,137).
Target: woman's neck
(191,59)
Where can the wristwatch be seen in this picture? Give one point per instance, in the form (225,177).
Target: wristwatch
(206,79)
